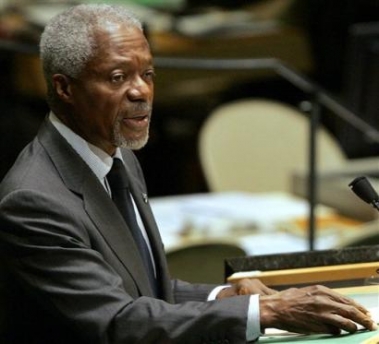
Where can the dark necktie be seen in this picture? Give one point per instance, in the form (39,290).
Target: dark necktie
(119,184)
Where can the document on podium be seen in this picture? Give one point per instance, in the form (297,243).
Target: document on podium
(360,337)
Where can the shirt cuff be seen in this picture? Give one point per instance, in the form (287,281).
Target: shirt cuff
(253,326)
(213,294)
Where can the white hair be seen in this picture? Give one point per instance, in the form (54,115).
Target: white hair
(68,40)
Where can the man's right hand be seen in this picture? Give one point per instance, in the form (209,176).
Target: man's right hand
(314,309)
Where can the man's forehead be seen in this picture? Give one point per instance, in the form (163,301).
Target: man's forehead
(114,35)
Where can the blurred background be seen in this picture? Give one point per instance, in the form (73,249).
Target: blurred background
(333,44)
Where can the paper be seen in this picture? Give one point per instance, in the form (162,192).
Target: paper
(229,214)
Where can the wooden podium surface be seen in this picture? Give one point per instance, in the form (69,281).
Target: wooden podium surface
(340,267)
(313,275)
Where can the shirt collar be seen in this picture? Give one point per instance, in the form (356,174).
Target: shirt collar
(98,161)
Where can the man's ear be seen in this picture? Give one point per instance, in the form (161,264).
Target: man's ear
(62,85)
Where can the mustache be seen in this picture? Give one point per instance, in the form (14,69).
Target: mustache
(140,107)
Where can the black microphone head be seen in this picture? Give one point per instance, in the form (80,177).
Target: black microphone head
(364,190)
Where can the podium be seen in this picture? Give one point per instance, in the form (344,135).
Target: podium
(335,268)
(345,270)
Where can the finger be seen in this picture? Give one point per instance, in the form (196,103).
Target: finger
(356,305)
(344,299)
(361,314)
(269,291)
(345,312)
(338,321)
(247,287)
(310,327)
(362,319)
(325,328)
(265,290)
(349,301)
(333,329)
(348,316)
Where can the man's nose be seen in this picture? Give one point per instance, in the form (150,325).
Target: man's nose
(139,89)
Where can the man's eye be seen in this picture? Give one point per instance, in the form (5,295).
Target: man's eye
(150,74)
(117,78)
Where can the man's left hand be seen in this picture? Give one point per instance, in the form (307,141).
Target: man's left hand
(246,287)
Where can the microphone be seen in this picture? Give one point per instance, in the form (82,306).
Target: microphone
(365,191)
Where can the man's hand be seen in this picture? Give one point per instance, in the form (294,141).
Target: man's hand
(314,309)
(246,287)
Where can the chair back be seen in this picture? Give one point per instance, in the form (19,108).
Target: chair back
(203,262)
(256,145)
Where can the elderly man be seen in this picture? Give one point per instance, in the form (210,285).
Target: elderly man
(82,266)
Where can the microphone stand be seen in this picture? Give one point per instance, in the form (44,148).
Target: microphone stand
(318,96)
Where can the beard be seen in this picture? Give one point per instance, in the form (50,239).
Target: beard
(119,140)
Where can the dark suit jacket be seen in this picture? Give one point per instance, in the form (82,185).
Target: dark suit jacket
(71,271)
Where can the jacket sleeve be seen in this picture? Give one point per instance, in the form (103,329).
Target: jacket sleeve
(50,253)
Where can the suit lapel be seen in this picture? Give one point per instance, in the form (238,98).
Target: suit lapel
(104,214)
